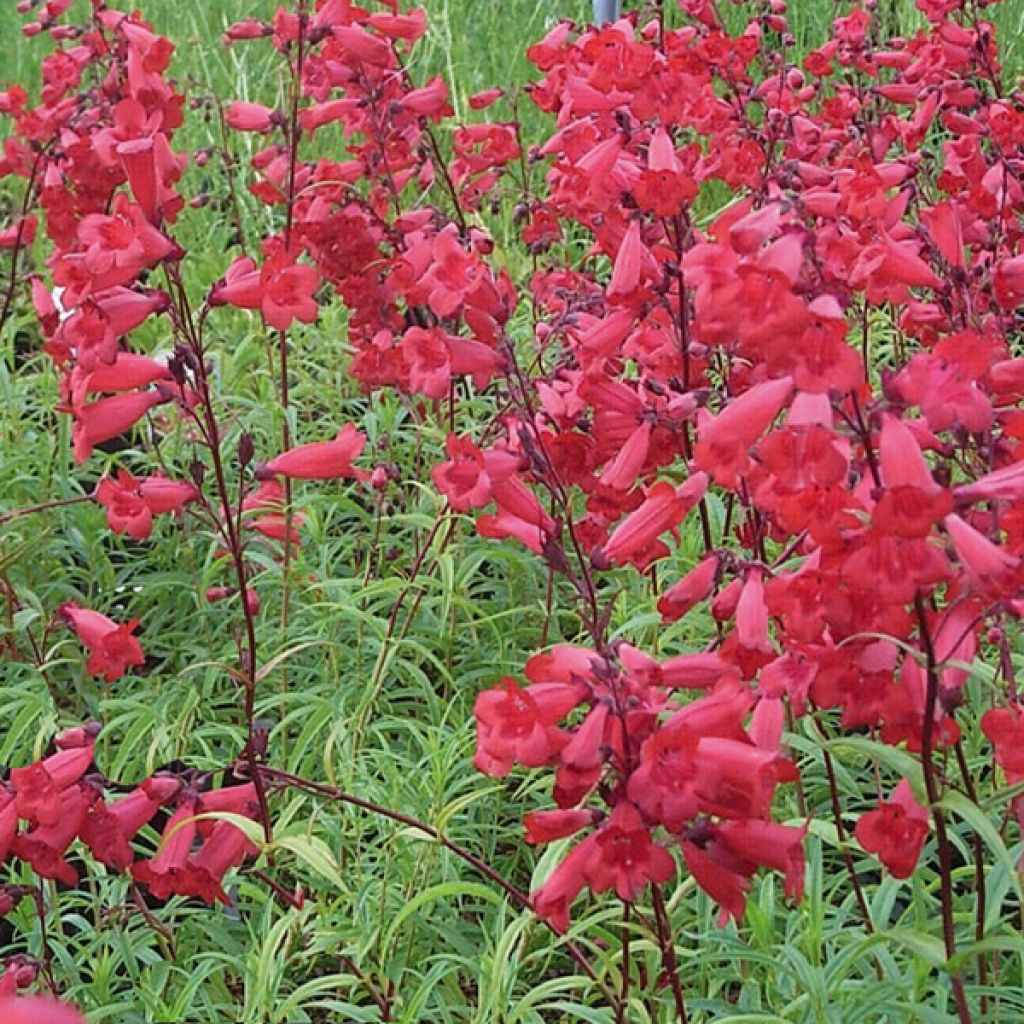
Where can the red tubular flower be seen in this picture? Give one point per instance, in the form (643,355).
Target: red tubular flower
(226,847)
(552,900)
(1006,484)
(287,293)
(166,873)
(724,441)
(636,540)
(112,648)
(108,418)
(117,249)
(108,830)
(38,787)
(547,826)
(467,477)
(623,856)
(635,266)
(725,885)
(44,847)
(517,725)
(1004,728)
(989,568)
(693,588)
(126,511)
(131,503)
(322,460)
(128,372)
(249,117)
(767,844)
(896,831)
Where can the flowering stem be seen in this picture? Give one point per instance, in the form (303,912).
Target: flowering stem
(208,425)
(294,135)
(979,872)
(668,953)
(932,790)
(620,1011)
(27,202)
(516,894)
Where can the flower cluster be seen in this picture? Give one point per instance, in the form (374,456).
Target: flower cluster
(799,412)
(63,799)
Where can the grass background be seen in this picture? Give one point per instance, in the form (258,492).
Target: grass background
(382,710)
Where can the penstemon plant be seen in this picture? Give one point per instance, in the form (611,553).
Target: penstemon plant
(705,322)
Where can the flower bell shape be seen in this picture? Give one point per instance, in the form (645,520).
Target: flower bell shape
(895,831)
(109,828)
(321,460)
(112,648)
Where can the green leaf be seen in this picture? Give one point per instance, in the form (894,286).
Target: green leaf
(315,854)
(958,804)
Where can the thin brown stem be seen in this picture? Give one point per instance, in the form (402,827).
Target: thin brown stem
(931,786)
(481,866)
(668,953)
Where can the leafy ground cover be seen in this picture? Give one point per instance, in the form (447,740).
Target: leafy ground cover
(378,872)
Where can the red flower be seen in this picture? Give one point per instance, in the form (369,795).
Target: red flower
(38,787)
(225,847)
(44,846)
(108,418)
(693,588)
(896,831)
(109,829)
(322,460)
(131,503)
(166,873)
(467,478)
(724,441)
(249,117)
(547,826)
(623,856)
(282,290)
(112,648)
(636,540)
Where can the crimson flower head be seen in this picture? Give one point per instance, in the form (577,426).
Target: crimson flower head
(321,460)
(225,847)
(517,725)
(693,588)
(467,479)
(723,448)
(895,831)
(109,829)
(109,417)
(112,648)
(117,248)
(249,117)
(132,503)
(636,540)
(38,787)
(44,846)
(624,857)
(166,873)
(282,290)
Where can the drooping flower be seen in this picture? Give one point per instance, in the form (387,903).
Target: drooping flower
(111,646)
(322,460)
(895,831)
(520,725)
